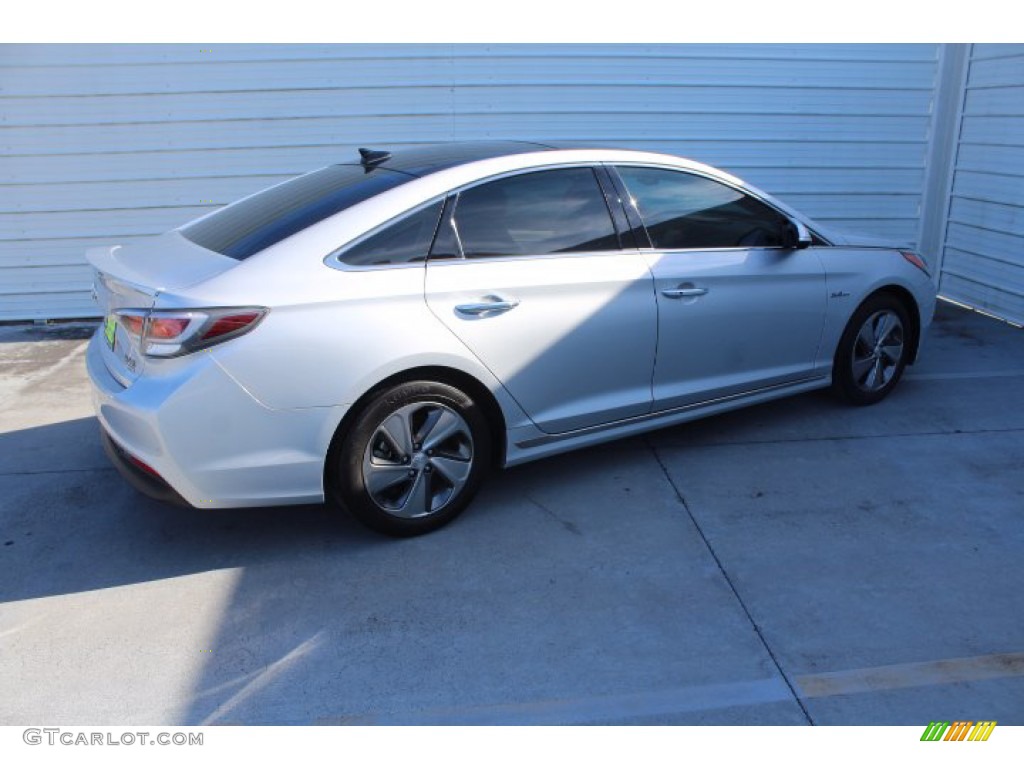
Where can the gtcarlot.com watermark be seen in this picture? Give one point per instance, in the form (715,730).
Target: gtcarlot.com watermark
(55,736)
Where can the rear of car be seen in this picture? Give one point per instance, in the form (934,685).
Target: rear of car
(174,420)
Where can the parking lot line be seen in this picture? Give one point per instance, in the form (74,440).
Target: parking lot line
(910,675)
(707,697)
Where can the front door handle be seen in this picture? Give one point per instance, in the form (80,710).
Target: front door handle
(490,306)
(684,292)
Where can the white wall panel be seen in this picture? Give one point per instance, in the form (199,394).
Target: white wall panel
(107,143)
(983,262)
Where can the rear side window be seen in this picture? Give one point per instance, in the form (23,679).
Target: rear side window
(250,225)
(558,211)
(404,241)
(681,210)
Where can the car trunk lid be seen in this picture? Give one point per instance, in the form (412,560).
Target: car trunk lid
(131,277)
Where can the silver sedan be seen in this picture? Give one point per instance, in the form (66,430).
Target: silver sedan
(383,331)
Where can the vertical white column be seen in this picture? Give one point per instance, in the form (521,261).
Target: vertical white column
(940,156)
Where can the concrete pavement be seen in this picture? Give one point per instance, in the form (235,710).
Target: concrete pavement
(796,562)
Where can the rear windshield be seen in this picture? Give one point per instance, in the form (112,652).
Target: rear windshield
(248,226)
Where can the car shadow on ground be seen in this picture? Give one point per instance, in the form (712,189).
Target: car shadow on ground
(69,523)
(79,526)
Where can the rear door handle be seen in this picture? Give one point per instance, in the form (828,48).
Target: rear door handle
(491,305)
(682,293)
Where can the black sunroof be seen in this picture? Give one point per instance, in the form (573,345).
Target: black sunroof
(430,158)
(261,220)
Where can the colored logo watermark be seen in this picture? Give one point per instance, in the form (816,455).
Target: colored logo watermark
(961,730)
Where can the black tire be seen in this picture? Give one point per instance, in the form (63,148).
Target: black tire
(399,480)
(866,367)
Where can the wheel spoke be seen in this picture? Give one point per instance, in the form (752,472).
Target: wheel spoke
(396,431)
(869,380)
(381,477)
(865,339)
(892,352)
(441,428)
(415,502)
(874,378)
(883,327)
(455,471)
(861,366)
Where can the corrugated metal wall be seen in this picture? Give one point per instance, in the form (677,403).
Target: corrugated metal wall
(105,143)
(983,260)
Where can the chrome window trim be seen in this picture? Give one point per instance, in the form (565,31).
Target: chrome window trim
(726,249)
(530,257)
(592,164)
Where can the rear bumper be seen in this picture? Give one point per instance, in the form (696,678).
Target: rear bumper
(213,445)
(140,480)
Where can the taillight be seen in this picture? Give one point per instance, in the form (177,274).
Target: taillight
(167,327)
(133,323)
(170,333)
(223,326)
(916,260)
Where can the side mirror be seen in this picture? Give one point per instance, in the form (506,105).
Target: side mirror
(795,235)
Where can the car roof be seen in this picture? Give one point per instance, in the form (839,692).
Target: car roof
(423,160)
(426,159)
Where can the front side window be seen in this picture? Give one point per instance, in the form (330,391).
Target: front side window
(545,212)
(401,242)
(682,210)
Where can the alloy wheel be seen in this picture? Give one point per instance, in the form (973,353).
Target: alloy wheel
(418,459)
(877,351)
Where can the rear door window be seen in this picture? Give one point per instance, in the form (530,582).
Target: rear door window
(544,212)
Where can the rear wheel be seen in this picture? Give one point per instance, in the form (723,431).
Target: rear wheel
(873,351)
(413,458)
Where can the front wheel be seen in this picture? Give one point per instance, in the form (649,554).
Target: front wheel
(413,458)
(873,351)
